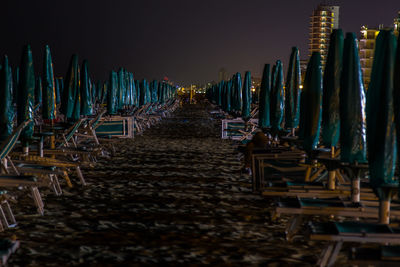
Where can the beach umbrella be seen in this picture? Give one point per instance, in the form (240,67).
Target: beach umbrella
(331,87)
(99,94)
(246,96)
(277,107)
(143,94)
(71,87)
(311,100)
(264,103)
(352,105)
(76,112)
(292,90)
(26,90)
(128,95)
(154,88)
(237,92)
(49,87)
(396,94)
(138,90)
(352,112)
(381,138)
(104,92)
(38,91)
(134,91)
(111,93)
(59,89)
(228,88)
(86,107)
(121,89)
(6,106)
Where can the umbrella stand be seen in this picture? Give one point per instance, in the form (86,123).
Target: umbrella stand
(332,173)
(384,203)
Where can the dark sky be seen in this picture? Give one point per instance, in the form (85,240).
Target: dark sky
(187,40)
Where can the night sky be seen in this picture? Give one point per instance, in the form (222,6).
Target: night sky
(187,41)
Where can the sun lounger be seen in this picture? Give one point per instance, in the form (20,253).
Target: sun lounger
(237,129)
(336,233)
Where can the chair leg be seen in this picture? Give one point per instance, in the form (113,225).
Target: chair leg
(10,214)
(80,175)
(38,200)
(4,218)
(329,254)
(56,185)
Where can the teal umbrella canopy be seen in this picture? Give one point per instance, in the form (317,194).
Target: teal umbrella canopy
(237,92)
(154,88)
(381,137)
(121,89)
(104,95)
(311,100)
(26,91)
(128,97)
(6,106)
(352,105)
(228,100)
(138,91)
(99,94)
(38,91)
(246,93)
(59,89)
(76,112)
(277,107)
(331,88)
(292,91)
(111,93)
(86,107)
(396,93)
(264,105)
(49,87)
(71,87)
(143,93)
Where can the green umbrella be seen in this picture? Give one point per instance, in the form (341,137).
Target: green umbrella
(237,92)
(138,92)
(121,89)
(59,89)
(352,105)
(38,91)
(128,100)
(292,91)
(111,93)
(246,93)
(154,87)
(49,91)
(76,112)
(381,135)
(396,93)
(311,100)
(228,100)
(86,107)
(265,90)
(26,91)
(71,87)
(277,98)
(6,108)
(331,85)
(142,99)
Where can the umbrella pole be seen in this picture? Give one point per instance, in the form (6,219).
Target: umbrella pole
(332,173)
(355,189)
(384,210)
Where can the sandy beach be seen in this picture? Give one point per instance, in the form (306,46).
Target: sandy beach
(173,195)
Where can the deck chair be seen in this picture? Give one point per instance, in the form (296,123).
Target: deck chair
(7,248)
(237,129)
(299,208)
(387,256)
(9,180)
(336,233)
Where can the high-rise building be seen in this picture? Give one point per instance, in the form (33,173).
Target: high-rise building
(397,24)
(366,47)
(324,19)
(222,75)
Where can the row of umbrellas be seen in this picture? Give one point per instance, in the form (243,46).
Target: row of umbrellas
(76,95)
(335,107)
